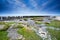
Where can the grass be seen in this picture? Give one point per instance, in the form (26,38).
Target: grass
(1,23)
(29,34)
(38,18)
(55,35)
(54,23)
(3,35)
(18,26)
(25,19)
(7,25)
(10,22)
(38,22)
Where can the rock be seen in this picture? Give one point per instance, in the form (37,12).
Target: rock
(1,27)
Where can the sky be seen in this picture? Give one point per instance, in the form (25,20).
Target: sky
(29,7)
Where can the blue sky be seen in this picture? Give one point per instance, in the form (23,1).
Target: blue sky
(29,7)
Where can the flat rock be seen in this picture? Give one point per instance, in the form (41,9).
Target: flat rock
(1,26)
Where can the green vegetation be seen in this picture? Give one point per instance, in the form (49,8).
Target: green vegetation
(38,22)
(18,26)
(54,23)
(6,25)
(55,35)
(32,19)
(25,19)
(1,23)
(10,22)
(3,35)
(29,34)
(37,18)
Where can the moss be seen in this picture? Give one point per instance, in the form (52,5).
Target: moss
(55,35)
(29,34)
(54,23)
(3,35)
(38,22)
(25,19)
(7,25)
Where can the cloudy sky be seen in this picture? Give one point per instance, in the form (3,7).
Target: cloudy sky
(29,7)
